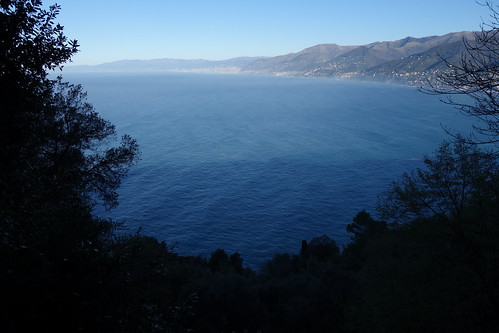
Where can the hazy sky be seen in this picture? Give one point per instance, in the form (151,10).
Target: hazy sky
(109,30)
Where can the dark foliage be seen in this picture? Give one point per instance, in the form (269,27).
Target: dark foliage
(55,159)
(471,84)
(431,267)
(436,269)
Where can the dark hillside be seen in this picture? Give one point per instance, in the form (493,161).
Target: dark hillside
(409,59)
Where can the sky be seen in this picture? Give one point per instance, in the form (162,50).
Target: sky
(110,30)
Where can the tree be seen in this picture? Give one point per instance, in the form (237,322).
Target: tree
(451,209)
(459,181)
(218,260)
(31,42)
(472,85)
(435,268)
(365,230)
(56,160)
(55,151)
(365,227)
(322,248)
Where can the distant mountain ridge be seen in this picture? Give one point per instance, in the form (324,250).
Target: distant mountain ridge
(409,60)
(167,64)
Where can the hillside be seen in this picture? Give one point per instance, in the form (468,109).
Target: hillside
(170,65)
(409,60)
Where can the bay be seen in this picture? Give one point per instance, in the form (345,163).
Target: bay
(255,164)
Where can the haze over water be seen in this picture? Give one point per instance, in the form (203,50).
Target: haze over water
(255,164)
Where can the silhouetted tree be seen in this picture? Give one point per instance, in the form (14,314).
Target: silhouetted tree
(364,227)
(457,180)
(449,212)
(236,262)
(53,142)
(55,160)
(323,248)
(474,81)
(218,260)
(31,43)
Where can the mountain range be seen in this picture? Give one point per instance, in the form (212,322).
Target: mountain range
(409,60)
(171,65)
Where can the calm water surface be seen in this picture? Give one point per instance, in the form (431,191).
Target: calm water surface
(255,164)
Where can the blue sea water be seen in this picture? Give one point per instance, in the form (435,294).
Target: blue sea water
(255,164)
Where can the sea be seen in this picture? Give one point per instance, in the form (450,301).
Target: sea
(256,164)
